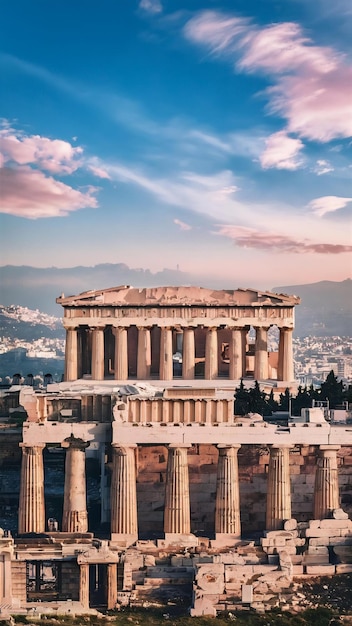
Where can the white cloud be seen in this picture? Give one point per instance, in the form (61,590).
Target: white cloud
(281,151)
(322,167)
(327,204)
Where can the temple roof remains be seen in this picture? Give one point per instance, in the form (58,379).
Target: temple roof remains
(126,296)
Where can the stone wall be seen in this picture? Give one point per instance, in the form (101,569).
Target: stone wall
(70,580)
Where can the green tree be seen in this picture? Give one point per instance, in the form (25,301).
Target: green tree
(332,390)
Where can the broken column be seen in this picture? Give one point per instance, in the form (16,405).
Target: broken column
(227,508)
(177,516)
(326,488)
(31,511)
(278,504)
(124,526)
(75,516)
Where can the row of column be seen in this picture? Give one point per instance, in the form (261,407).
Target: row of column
(237,354)
(177,500)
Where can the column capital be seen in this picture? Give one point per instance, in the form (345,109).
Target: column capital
(228,446)
(25,445)
(75,443)
(174,446)
(123,447)
(329,448)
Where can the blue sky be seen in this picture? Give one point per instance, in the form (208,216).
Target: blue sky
(211,136)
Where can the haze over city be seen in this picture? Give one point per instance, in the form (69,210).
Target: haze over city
(213,137)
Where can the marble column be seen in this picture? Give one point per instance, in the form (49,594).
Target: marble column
(144,355)
(227,507)
(211,354)
(71,355)
(285,364)
(124,493)
(98,354)
(31,512)
(236,355)
(261,362)
(278,503)
(188,354)
(84,585)
(112,585)
(177,514)
(75,516)
(326,488)
(166,354)
(121,353)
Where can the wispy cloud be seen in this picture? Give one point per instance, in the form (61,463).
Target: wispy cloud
(151,6)
(328,204)
(282,152)
(182,225)
(322,167)
(311,85)
(251,238)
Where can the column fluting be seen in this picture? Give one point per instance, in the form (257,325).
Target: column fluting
(278,503)
(285,362)
(166,354)
(31,513)
(121,353)
(326,487)
(177,515)
(71,354)
(211,354)
(75,516)
(188,354)
(236,355)
(98,354)
(261,363)
(123,491)
(144,355)
(227,507)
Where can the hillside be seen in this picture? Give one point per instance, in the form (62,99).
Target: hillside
(325,309)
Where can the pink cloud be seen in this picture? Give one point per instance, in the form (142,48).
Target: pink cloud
(27,192)
(282,152)
(182,225)
(53,155)
(251,238)
(99,172)
(311,85)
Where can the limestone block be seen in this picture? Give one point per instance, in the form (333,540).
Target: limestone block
(339,514)
(344,553)
(297,570)
(336,523)
(210,577)
(235,573)
(202,606)
(320,570)
(314,523)
(319,532)
(247,594)
(149,560)
(343,568)
(229,558)
(320,559)
(290,524)
(317,550)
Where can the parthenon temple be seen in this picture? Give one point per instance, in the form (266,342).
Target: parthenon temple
(124,332)
(188,492)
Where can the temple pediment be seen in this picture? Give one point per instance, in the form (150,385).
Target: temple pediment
(176,296)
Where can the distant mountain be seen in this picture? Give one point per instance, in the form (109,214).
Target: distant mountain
(325,309)
(37,288)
